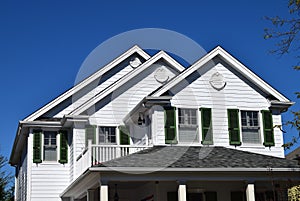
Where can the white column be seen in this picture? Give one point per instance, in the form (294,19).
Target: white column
(250,194)
(91,195)
(182,192)
(103,192)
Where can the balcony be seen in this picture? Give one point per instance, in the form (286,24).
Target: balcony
(94,155)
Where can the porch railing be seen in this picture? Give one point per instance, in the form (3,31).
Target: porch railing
(97,154)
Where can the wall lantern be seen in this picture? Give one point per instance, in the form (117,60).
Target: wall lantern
(141,119)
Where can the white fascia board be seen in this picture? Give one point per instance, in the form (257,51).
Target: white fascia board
(234,63)
(87,81)
(126,78)
(40,123)
(186,73)
(251,76)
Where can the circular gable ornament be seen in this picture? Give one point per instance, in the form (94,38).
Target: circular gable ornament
(135,62)
(217,81)
(161,75)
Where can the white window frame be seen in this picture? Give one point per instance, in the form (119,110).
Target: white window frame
(107,143)
(57,146)
(260,130)
(197,125)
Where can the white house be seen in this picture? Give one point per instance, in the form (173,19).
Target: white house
(146,128)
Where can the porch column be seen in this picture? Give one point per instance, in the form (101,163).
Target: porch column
(103,192)
(91,195)
(182,192)
(250,194)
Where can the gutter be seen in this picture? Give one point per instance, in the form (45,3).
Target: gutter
(163,169)
(283,106)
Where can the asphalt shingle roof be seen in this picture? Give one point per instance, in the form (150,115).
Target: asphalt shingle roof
(199,157)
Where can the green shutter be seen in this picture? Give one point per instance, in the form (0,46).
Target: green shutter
(37,142)
(211,196)
(90,134)
(124,135)
(170,125)
(206,123)
(63,147)
(234,126)
(268,128)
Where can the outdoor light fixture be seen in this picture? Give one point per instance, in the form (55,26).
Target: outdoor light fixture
(141,119)
(116,196)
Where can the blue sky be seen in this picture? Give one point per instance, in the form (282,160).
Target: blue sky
(43,44)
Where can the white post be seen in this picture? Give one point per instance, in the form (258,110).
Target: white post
(90,153)
(103,192)
(250,194)
(182,192)
(90,195)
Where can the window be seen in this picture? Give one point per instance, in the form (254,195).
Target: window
(188,127)
(107,135)
(250,127)
(187,117)
(50,146)
(45,146)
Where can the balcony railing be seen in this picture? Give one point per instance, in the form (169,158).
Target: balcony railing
(97,154)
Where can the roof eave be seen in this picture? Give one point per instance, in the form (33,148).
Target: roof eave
(126,78)
(164,169)
(85,82)
(241,68)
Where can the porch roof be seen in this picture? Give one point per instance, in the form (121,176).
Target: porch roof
(199,157)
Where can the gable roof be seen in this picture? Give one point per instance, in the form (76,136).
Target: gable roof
(126,78)
(85,82)
(199,157)
(238,66)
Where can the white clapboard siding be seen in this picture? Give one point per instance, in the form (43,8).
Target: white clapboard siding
(78,147)
(72,159)
(47,180)
(126,97)
(87,95)
(237,94)
(21,178)
(158,131)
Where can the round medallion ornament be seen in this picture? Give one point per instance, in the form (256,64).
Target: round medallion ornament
(217,81)
(161,75)
(135,62)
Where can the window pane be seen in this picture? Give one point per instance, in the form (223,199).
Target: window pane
(188,125)
(107,135)
(50,148)
(250,127)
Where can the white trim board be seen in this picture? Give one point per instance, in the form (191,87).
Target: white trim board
(126,78)
(85,82)
(219,51)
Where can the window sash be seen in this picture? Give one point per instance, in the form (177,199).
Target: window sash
(107,135)
(50,146)
(250,127)
(187,116)
(188,127)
